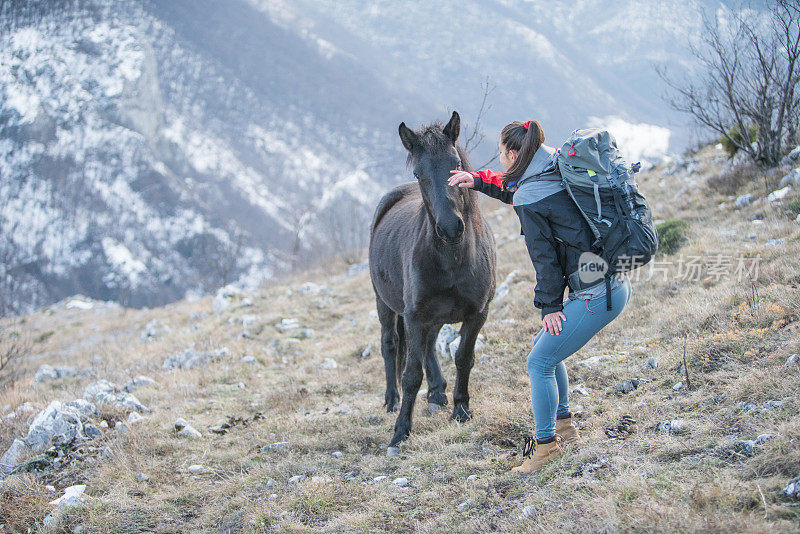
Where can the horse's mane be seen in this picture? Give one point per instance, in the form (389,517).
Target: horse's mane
(433,140)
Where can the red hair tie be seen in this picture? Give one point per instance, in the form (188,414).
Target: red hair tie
(526,124)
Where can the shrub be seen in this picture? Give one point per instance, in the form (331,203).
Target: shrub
(794,205)
(735,135)
(671,235)
(729,181)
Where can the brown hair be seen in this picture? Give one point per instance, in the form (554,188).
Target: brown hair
(526,141)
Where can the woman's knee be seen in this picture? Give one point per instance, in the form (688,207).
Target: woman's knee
(539,364)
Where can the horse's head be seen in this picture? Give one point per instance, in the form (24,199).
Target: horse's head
(432,154)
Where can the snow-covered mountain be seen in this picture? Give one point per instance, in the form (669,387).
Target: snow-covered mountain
(150,149)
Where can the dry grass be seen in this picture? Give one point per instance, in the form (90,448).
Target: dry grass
(737,342)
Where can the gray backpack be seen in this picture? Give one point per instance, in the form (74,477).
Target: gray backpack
(603,187)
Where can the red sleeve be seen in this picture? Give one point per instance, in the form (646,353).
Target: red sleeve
(490,177)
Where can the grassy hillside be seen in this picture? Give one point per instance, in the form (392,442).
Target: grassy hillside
(694,474)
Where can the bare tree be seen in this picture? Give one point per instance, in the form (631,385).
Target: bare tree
(13,348)
(750,70)
(299,220)
(220,257)
(473,133)
(346,223)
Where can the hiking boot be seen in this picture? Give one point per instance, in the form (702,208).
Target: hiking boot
(538,455)
(567,431)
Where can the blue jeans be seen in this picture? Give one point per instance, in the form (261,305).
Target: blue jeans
(548,374)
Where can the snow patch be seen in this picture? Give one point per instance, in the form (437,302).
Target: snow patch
(123,260)
(643,142)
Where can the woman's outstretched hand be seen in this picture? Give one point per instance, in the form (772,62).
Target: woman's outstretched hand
(552,322)
(461,179)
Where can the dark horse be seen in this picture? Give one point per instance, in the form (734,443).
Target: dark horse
(432,262)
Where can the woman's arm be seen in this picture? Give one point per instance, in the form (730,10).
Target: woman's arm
(487,182)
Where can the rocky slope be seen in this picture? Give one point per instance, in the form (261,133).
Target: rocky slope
(261,411)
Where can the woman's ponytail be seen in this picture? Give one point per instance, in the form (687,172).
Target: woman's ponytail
(525,138)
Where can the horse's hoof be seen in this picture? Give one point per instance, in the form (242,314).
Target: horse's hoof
(391,408)
(437,397)
(434,408)
(392,452)
(461,414)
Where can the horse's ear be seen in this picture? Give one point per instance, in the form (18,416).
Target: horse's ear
(408,137)
(453,127)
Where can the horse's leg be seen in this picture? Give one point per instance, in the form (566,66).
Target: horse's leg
(389,346)
(464,358)
(412,376)
(433,373)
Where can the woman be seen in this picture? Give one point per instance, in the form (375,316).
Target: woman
(556,234)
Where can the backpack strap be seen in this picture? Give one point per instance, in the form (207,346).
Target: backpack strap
(595,232)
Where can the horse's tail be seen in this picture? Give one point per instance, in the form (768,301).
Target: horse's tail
(400,360)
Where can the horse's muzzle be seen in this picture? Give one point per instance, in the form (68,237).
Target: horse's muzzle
(451,233)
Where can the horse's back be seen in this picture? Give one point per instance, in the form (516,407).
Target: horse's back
(390,199)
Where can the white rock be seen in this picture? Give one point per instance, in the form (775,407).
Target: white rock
(140,381)
(400,481)
(581,390)
(337,454)
(528,512)
(472,477)
(464,506)
(652,363)
(453,347)
(249,320)
(793,178)
(104,392)
(792,156)
(792,489)
(763,438)
(141,477)
(281,446)
(794,359)
(189,432)
(594,361)
(196,469)
(190,358)
(503,289)
(287,324)
(59,423)
(47,373)
(121,428)
(328,363)
(11,458)
(779,194)
(248,359)
(366,352)
(295,479)
(447,334)
(70,493)
(743,200)
(321,480)
(677,386)
(135,417)
(79,304)
(379,478)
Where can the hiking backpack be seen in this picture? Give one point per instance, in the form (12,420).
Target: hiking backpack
(602,186)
